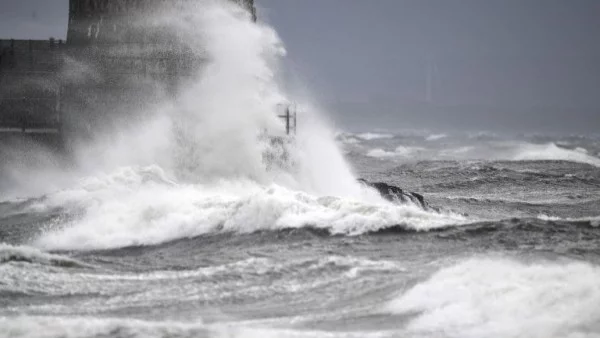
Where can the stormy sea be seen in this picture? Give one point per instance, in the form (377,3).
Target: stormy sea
(182,226)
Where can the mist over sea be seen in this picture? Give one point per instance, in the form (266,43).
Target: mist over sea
(176,226)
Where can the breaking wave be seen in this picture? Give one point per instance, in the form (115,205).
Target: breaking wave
(505,298)
(143,207)
(400,151)
(435,137)
(493,151)
(550,151)
(374,136)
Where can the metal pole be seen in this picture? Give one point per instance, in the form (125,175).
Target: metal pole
(287,121)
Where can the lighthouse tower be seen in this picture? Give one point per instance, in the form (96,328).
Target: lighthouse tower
(130,61)
(110,21)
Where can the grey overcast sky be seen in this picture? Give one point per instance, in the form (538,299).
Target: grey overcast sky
(523,65)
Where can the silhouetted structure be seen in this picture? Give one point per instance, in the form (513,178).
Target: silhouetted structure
(113,62)
(30,97)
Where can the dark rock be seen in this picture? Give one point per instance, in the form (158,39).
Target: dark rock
(396,194)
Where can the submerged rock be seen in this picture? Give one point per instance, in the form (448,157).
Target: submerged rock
(396,194)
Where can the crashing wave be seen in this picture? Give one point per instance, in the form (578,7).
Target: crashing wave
(496,297)
(134,212)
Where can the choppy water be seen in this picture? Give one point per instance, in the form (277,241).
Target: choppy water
(175,227)
(514,254)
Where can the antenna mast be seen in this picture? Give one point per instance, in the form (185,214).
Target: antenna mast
(290,118)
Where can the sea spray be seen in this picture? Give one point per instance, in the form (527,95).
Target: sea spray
(212,129)
(218,118)
(236,98)
(140,207)
(196,165)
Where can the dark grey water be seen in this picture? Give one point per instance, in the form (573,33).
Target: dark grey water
(144,262)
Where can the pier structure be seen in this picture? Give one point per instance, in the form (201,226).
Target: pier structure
(115,62)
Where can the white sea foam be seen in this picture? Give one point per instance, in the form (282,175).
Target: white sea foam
(400,152)
(408,151)
(594,221)
(524,151)
(521,151)
(374,136)
(125,209)
(435,137)
(495,151)
(505,298)
(551,151)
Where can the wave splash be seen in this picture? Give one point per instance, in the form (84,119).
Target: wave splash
(142,207)
(496,297)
